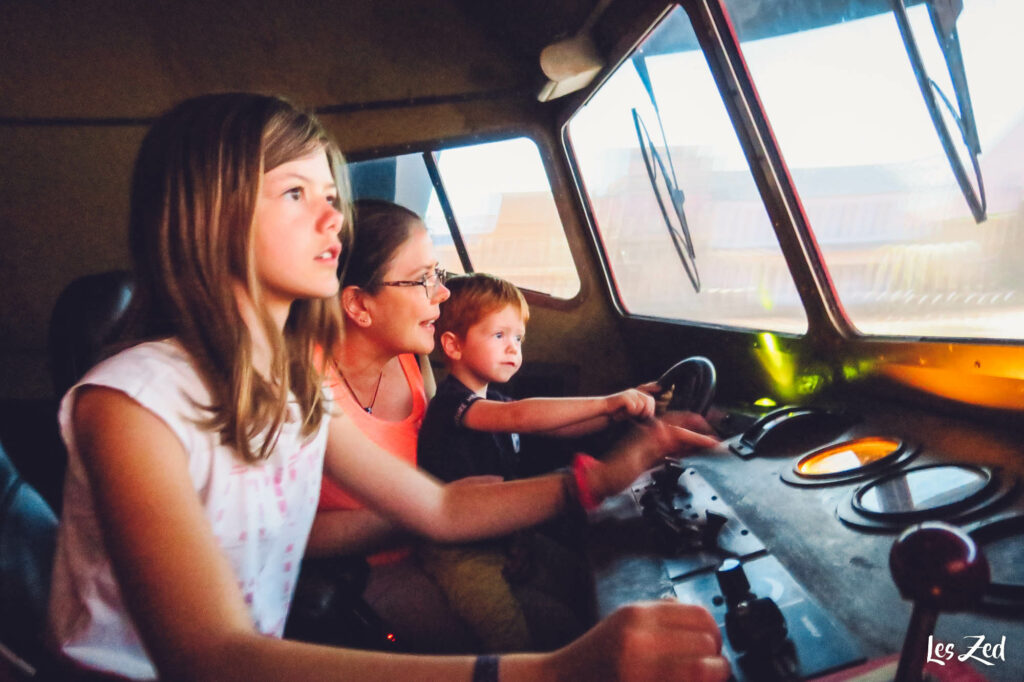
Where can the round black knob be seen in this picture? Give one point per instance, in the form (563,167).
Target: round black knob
(733,582)
(751,624)
(939,566)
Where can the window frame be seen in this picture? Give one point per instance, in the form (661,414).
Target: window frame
(430,147)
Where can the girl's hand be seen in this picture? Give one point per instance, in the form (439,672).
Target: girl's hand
(644,446)
(690,421)
(662,640)
(630,403)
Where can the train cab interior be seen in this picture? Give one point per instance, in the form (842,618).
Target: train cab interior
(813,203)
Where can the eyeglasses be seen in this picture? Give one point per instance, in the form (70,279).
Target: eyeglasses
(430,281)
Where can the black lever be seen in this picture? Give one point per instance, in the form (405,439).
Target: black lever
(666,478)
(753,624)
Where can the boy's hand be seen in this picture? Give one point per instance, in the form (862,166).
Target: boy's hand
(652,387)
(662,396)
(630,403)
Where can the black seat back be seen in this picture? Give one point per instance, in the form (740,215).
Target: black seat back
(28,536)
(83,318)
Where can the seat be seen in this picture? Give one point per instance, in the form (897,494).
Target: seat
(28,536)
(83,318)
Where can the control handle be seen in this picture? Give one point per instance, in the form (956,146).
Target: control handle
(753,624)
(940,568)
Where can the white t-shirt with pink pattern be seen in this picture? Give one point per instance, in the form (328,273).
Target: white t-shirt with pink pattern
(260,513)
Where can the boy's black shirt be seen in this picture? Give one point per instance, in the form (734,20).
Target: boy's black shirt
(450,451)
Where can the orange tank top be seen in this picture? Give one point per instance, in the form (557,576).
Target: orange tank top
(398,438)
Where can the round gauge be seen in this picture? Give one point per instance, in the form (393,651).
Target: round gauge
(947,492)
(923,490)
(849,456)
(848,460)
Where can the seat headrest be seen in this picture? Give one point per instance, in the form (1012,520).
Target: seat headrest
(83,317)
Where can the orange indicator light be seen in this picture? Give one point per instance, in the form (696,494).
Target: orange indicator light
(848,456)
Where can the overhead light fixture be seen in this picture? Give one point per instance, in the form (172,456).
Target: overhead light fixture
(572,63)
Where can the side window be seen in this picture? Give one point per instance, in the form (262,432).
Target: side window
(684,229)
(489,208)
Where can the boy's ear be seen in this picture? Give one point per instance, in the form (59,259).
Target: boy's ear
(354,305)
(451,346)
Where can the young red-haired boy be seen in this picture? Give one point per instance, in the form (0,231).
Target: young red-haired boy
(471,429)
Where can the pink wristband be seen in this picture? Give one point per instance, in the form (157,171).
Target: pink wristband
(582,463)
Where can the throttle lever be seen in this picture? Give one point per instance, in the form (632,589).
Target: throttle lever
(940,568)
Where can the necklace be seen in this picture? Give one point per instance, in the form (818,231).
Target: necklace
(367,408)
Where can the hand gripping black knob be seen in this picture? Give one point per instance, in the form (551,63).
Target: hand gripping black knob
(940,568)
(752,624)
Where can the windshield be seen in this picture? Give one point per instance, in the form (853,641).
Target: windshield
(676,208)
(904,251)
(896,220)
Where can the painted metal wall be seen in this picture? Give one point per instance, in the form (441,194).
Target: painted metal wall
(80,80)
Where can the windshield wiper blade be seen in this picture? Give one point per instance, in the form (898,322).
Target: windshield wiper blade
(640,64)
(680,235)
(943,14)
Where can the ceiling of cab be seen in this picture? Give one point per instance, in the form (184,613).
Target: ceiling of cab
(83,59)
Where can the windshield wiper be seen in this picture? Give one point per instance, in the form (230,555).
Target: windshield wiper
(943,15)
(663,181)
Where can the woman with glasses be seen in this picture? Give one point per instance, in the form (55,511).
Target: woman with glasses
(391,293)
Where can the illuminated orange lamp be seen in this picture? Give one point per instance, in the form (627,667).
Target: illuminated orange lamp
(848,456)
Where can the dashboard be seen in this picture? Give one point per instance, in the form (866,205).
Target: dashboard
(808,546)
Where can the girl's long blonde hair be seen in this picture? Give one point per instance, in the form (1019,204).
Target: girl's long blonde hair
(194,190)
